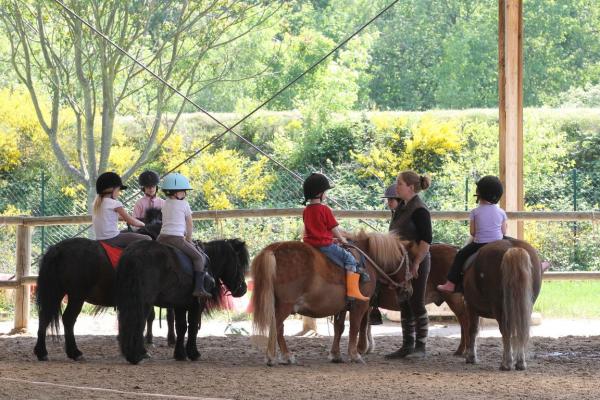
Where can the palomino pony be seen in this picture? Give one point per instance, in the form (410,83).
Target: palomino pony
(293,277)
(150,273)
(80,269)
(503,282)
(442,256)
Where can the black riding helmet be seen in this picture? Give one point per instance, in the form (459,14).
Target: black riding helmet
(108,180)
(148,178)
(314,185)
(489,188)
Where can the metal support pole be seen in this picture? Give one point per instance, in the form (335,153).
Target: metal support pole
(22,291)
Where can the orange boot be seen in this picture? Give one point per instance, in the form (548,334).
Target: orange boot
(352,288)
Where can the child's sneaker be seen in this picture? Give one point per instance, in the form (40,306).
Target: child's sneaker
(447,287)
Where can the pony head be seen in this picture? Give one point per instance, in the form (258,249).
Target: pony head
(153,220)
(228,265)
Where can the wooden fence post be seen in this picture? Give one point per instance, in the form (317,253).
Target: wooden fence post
(23,264)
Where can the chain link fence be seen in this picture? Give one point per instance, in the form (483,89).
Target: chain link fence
(567,245)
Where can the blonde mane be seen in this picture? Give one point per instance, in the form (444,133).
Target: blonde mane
(386,249)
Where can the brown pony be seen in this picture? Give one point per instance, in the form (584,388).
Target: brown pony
(293,277)
(503,282)
(442,256)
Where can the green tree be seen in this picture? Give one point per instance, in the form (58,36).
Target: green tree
(56,57)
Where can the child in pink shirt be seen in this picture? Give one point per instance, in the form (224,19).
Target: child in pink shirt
(148,181)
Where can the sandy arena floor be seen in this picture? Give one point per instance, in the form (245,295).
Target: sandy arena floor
(560,367)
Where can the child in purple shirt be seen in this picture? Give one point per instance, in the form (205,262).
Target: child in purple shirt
(487,224)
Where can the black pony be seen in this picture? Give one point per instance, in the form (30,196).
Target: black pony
(80,269)
(149,274)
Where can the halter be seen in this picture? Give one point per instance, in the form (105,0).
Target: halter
(403,262)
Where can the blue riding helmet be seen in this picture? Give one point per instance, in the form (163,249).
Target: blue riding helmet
(175,181)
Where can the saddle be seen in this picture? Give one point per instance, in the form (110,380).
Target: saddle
(470,261)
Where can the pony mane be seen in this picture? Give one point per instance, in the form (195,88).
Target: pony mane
(225,251)
(386,249)
(153,215)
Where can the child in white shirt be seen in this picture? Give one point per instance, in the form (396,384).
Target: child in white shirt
(107,210)
(177,230)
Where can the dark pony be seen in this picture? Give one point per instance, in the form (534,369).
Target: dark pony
(149,274)
(80,269)
(442,256)
(503,283)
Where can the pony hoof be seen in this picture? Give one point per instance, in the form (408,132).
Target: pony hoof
(146,356)
(505,368)
(358,360)
(290,360)
(79,358)
(520,366)
(471,360)
(271,363)
(458,353)
(336,360)
(42,358)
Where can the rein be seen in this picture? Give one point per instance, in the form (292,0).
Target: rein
(388,277)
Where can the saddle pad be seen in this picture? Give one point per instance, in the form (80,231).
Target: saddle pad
(184,261)
(113,253)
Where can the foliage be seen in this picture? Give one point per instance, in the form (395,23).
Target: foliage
(588,96)
(87,82)
(425,145)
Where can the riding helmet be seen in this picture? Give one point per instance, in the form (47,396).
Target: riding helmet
(390,192)
(108,180)
(175,181)
(314,185)
(148,178)
(490,188)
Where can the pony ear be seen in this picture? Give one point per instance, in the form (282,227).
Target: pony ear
(237,244)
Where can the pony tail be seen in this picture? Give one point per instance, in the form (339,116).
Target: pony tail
(132,308)
(516,269)
(97,204)
(263,268)
(49,292)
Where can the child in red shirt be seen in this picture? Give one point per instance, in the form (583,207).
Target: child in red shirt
(320,228)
